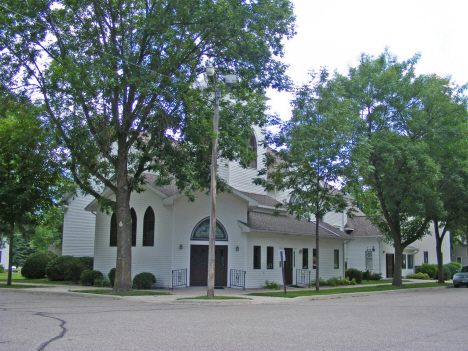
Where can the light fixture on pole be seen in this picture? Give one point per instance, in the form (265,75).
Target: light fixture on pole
(230,80)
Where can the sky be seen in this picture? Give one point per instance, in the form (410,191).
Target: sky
(334,33)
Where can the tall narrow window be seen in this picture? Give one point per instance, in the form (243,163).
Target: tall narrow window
(270,257)
(459,259)
(336,259)
(403,261)
(113,231)
(410,261)
(426,256)
(257,257)
(314,258)
(148,228)
(305,258)
(253,147)
(134,226)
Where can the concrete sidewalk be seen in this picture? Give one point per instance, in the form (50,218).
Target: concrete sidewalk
(183,295)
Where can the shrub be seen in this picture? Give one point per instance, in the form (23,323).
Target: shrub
(271,285)
(111,276)
(87,261)
(88,276)
(371,275)
(102,283)
(429,269)
(453,267)
(351,273)
(144,280)
(65,268)
(2,270)
(418,276)
(35,265)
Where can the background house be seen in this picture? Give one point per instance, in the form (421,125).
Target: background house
(460,254)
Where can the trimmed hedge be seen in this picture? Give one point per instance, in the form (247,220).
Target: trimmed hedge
(35,265)
(65,268)
(353,273)
(424,276)
(111,276)
(144,280)
(429,269)
(89,276)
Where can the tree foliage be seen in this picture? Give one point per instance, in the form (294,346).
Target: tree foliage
(397,175)
(119,81)
(314,153)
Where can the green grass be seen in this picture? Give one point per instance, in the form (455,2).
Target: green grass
(214,298)
(291,294)
(18,278)
(127,293)
(386,281)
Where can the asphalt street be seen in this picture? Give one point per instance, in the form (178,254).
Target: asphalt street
(419,319)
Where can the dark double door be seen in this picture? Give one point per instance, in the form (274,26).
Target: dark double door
(199,265)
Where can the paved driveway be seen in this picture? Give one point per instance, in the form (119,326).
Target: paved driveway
(422,319)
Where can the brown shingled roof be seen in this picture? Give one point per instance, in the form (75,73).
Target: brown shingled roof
(262,199)
(362,227)
(167,190)
(289,224)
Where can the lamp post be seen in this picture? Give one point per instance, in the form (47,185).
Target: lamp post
(230,80)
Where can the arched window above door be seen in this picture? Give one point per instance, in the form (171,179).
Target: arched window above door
(202,231)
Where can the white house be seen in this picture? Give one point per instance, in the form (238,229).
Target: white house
(171,234)
(4,254)
(369,250)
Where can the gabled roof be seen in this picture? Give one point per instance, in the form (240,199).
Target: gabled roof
(262,199)
(288,224)
(362,227)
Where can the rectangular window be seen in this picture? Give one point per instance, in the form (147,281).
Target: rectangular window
(426,257)
(305,258)
(270,257)
(459,260)
(403,261)
(314,259)
(336,264)
(410,261)
(257,257)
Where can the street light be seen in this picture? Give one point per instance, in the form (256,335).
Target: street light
(229,80)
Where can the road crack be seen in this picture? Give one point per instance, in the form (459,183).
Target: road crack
(59,336)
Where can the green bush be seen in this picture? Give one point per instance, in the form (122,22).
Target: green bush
(453,267)
(429,269)
(87,261)
(88,276)
(111,276)
(2,270)
(271,285)
(351,273)
(102,283)
(35,265)
(144,280)
(371,276)
(65,268)
(420,275)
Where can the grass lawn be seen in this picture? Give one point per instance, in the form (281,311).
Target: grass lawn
(334,291)
(128,293)
(18,278)
(215,298)
(386,281)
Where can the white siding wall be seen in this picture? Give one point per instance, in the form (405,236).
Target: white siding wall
(355,253)
(256,278)
(5,256)
(78,227)
(154,259)
(230,210)
(241,178)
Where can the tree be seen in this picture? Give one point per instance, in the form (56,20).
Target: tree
(397,175)
(119,81)
(29,170)
(314,154)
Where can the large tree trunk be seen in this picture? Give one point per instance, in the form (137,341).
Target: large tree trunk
(10,251)
(317,275)
(123,272)
(397,281)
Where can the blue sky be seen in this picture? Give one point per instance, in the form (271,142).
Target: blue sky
(333,33)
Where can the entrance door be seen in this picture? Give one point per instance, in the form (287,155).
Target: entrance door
(288,266)
(390,265)
(199,265)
